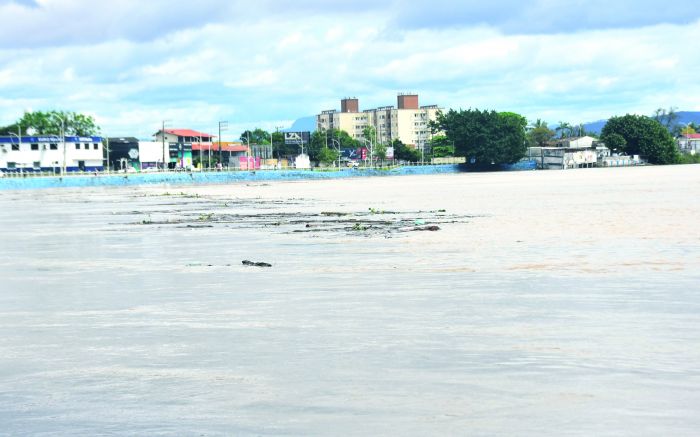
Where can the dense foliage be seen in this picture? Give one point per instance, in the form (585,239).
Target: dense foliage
(403,152)
(53,123)
(441,146)
(642,136)
(484,137)
(324,145)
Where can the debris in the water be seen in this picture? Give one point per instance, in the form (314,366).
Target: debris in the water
(255,264)
(421,228)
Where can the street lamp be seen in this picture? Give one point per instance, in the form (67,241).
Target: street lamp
(200,151)
(337,144)
(369,147)
(63,137)
(107,150)
(162,134)
(246,139)
(223,125)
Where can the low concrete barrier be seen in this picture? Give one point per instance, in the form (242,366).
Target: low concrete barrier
(223,177)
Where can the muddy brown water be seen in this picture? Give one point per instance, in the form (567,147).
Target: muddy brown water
(547,303)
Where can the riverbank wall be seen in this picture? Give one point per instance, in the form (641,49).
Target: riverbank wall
(222,177)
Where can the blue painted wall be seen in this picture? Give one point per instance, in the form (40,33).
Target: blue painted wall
(16,183)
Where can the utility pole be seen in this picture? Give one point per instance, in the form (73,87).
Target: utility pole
(223,125)
(162,135)
(250,152)
(107,154)
(63,136)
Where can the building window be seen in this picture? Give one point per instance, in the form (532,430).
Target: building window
(53,146)
(95,146)
(35,147)
(86,146)
(77,146)
(37,164)
(15,147)
(11,165)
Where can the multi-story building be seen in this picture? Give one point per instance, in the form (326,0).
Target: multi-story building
(50,153)
(407,121)
(179,144)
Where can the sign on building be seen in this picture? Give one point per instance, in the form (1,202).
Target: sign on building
(297,137)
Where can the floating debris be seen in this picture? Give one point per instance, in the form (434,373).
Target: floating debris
(255,264)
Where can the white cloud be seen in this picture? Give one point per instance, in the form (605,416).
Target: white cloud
(281,67)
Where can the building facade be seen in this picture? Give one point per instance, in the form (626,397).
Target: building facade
(689,143)
(50,153)
(407,121)
(178,143)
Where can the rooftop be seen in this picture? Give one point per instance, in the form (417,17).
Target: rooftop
(186,133)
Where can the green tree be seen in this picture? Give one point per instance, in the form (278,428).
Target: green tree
(404,153)
(327,155)
(52,123)
(441,146)
(643,136)
(369,133)
(578,130)
(564,129)
(256,136)
(318,141)
(540,134)
(689,129)
(668,118)
(484,137)
(280,149)
(380,151)
(615,142)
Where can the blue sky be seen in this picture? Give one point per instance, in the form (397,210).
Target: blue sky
(132,63)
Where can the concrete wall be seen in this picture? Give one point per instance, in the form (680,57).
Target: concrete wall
(182,178)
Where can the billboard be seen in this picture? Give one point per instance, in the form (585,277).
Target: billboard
(297,137)
(349,154)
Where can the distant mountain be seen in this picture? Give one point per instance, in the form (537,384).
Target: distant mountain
(302,125)
(595,127)
(684,117)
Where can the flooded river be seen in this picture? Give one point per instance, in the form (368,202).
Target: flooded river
(547,303)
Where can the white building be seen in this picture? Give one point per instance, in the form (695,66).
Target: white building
(151,153)
(689,143)
(179,143)
(575,142)
(408,122)
(49,153)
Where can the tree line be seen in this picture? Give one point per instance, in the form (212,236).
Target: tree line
(487,138)
(483,137)
(52,123)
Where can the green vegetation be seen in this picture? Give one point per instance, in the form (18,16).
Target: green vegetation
(323,146)
(52,123)
(686,158)
(256,136)
(668,118)
(691,128)
(484,137)
(441,146)
(404,153)
(327,156)
(641,135)
(540,134)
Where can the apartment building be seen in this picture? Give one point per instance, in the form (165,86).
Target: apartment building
(50,153)
(407,121)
